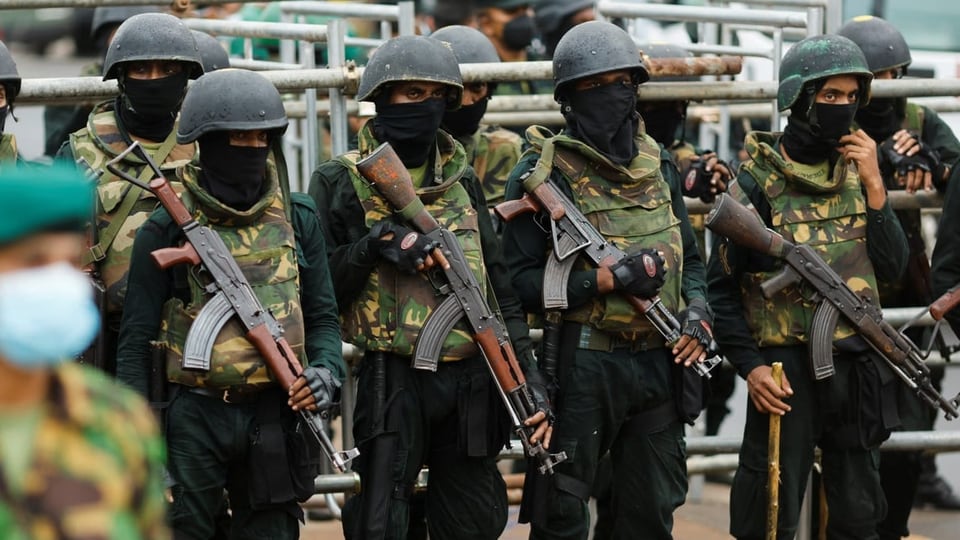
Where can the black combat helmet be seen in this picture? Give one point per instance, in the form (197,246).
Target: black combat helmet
(595,47)
(880,41)
(212,54)
(106,17)
(411,58)
(469,45)
(820,57)
(230,99)
(152,36)
(9,76)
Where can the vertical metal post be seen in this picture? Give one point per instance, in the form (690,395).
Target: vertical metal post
(293,139)
(777,55)
(336,57)
(406,18)
(308,56)
(385,31)
(814,21)
(834,16)
(804,531)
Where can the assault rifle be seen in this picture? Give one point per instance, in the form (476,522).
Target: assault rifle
(232,297)
(573,234)
(464,300)
(736,222)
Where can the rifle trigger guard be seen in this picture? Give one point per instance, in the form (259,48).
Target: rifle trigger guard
(564,246)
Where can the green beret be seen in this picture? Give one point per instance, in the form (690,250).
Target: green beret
(502,4)
(43,198)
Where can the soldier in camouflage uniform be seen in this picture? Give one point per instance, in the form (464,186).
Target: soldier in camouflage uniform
(59,121)
(232,427)
(491,150)
(451,420)
(818,183)
(618,381)
(80,455)
(152,56)
(925,151)
(9,89)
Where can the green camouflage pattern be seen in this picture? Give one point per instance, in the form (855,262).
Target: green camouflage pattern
(263,243)
(831,218)
(632,208)
(393,307)
(8,148)
(493,152)
(97,144)
(96,465)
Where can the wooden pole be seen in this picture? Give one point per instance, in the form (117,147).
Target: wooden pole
(773,463)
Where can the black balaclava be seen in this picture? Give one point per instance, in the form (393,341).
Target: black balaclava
(233,174)
(605,118)
(882,117)
(148,107)
(663,120)
(519,32)
(465,121)
(813,129)
(410,128)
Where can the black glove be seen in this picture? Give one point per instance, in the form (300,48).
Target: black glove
(537,386)
(695,181)
(323,385)
(697,322)
(640,274)
(927,159)
(407,249)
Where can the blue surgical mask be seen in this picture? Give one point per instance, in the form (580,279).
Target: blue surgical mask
(47,315)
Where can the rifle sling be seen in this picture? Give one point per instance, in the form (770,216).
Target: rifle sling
(98,251)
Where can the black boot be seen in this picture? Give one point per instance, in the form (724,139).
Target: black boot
(933,490)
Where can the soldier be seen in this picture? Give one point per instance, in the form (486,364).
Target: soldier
(212,54)
(554,19)
(450,420)
(819,183)
(152,56)
(9,90)
(509,26)
(491,150)
(80,455)
(918,151)
(615,388)
(232,426)
(60,121)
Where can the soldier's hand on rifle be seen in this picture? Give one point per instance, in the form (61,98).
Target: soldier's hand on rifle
(707,176)
(767,397)
(640,274)
(407,249)
(860,149)
(543,419)
(697,323)
(316,389)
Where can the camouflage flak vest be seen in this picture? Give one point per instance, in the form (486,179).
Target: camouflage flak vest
(632,208)
(390,311)
(97,144)
(263,243)
(810,205)
(8,148)
(493,152)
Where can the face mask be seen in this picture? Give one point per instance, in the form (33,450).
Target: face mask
(518,32)
(3,116)
(604,118)
(232,174)
(662,123)
(47,315)
(148,107)
(465,121)
(411,128)
(833,121)
(882,117)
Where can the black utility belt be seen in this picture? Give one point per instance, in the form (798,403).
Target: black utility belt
(592,339)
(235,395)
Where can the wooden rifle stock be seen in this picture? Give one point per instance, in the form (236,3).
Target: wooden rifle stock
(945,303)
